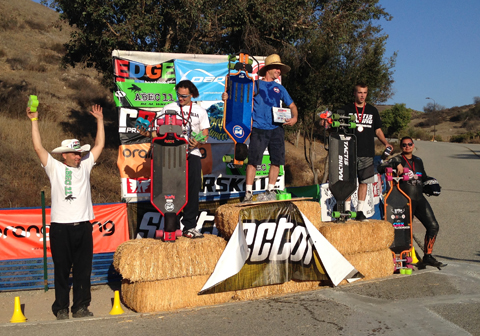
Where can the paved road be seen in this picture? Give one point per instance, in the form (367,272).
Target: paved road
(457,209)
(430,302)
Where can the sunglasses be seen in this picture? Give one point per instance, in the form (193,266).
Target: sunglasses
(405,144)
(183,96)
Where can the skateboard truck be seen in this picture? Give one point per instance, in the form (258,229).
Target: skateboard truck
(142,124)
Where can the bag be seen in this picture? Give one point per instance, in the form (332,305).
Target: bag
(431,187)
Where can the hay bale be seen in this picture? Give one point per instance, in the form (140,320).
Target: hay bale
(373,265)
(150,259)
(226,216)
(356,237)
(274,290)
(165,295)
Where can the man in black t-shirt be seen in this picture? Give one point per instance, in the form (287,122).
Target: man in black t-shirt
(368,126)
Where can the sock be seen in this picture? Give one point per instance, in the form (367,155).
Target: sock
(360,206)
(347,205)
(249,188)
(271,187)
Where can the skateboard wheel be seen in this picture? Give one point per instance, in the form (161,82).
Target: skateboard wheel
(408,259)
(405,178)
(232,58)
(352,125)
(336,214)
(352,117)
(281,197)
(178,233)
(405,170)
(159,234)
(335,116)
(336,124)
(389,170)
(389,178)
(408,271)
(410,266)
(402,271)
(227,158)
(353,214)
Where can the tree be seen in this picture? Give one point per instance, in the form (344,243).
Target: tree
(395,119)
(433,107)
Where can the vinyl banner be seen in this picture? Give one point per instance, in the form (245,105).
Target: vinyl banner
(131,93)
(209,78)
(25,240)
(273,244)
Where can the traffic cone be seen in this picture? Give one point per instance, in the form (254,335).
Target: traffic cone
(117,307)
(414,256)
(18,316)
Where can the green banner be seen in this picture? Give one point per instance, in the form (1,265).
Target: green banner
(262,169)
(131,93)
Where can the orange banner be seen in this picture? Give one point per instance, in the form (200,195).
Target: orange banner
(21,231)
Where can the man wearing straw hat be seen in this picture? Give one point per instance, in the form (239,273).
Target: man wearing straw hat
(70,235)
(266,133)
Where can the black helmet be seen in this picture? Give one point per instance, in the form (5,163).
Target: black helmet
(431,187)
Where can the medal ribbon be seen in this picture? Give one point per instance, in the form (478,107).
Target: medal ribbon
(412,168)
(184,122)
(360,118)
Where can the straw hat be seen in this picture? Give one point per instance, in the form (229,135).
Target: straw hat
(71,145)
(271,61)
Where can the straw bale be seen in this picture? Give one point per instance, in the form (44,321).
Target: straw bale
(226,216)
(165,295)
(356,237)
(151,259)
(273,290)
(373,265)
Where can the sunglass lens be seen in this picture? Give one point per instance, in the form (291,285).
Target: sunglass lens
(407,144)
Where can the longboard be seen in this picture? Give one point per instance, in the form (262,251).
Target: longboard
(237,115)
(274,201)
(398,211)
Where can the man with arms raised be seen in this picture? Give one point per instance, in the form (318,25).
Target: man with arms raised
(71,239)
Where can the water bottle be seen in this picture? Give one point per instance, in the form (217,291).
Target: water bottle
(387,152)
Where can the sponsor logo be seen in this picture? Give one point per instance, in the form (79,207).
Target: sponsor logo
(205,77)
(139,186)
(170,197)
(21,232)
(120,94)
(169,206)
(146,72)
(270,241)
(238,131)
(276,89)
(108,227)
(126,117)
(134,153)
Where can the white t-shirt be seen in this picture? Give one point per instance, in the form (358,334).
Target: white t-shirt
(71,193)
(198,120)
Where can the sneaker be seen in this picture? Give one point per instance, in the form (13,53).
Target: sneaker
(270,195)
(248,197)
(62,314)
(361,217)
(82,312)
(429,260)
(192,233)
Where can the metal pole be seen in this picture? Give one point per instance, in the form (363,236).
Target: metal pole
(44,232)
(435,117)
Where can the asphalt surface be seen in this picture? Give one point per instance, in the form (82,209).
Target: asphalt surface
(428,302)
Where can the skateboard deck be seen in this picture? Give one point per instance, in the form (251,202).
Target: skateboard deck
(398,211)
(274,201)
(237,116)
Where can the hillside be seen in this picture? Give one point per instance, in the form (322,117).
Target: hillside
(31,46)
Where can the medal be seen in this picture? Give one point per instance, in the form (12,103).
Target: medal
(360,128)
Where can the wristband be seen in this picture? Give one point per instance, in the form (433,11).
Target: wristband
(33,119)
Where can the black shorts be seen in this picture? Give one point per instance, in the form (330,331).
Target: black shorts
(274,140)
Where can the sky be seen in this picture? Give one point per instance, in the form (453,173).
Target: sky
(438,45)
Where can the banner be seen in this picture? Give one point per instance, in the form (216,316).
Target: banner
(209,78)
(23,241)
(131,93)
(275,244)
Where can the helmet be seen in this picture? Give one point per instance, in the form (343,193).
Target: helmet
(431,187)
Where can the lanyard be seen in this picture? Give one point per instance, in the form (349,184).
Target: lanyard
(184,122)
(412,168)
(360,118)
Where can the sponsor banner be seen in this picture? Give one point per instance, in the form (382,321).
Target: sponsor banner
(126,124)
(144,219)
(158,72)
(209,78)
(131,93)
(275,244)
(24,241)
(133,161)
(328,202)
